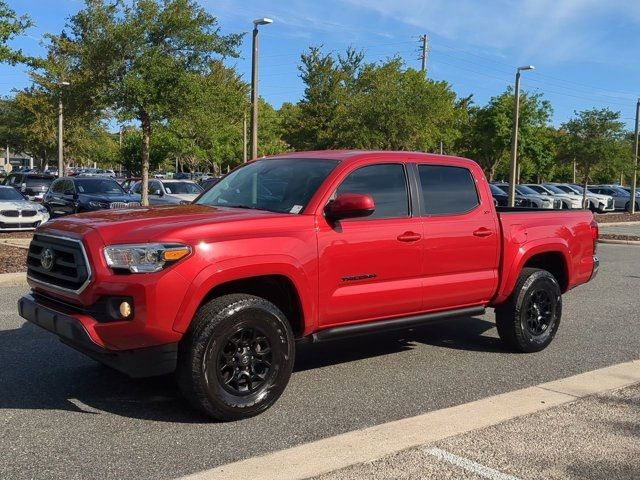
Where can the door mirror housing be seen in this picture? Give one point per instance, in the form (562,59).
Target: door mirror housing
(350,205)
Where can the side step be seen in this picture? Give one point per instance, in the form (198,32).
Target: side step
(392,324)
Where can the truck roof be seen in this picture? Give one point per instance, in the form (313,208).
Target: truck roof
(347,155)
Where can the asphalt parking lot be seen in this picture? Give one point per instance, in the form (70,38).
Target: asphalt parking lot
(64,416)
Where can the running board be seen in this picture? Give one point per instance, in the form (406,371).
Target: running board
(392,324)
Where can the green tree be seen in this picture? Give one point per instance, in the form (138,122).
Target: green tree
(140,58)
(593,138)
(487,138)
(12,25)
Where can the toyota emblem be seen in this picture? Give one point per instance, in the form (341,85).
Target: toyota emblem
(46,259)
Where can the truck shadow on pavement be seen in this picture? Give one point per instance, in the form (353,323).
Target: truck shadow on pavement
(39,372)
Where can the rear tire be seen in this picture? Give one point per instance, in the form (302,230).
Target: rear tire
(236,359)
(529,319)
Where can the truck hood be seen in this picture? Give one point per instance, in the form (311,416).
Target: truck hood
(145,224)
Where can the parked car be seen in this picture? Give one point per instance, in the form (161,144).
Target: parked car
(32,185)
(85,194)
(597,202)
(219,291)
(621,197)
(540,201)
(18,213)
(568,200)
(163,192)
(209,182)
(502,199)
(128,183)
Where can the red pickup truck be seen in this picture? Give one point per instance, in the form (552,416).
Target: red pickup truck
(306,246)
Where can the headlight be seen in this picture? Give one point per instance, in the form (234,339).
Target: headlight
(99,204)
(42,209)
(144,258)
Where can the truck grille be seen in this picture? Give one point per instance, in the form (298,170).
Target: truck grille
(123,204)
(58,262)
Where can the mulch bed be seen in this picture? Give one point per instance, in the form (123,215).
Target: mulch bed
(12,259)
(613,236)
(16,235)
(617,217)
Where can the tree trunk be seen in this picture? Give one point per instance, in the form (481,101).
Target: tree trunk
(146,135)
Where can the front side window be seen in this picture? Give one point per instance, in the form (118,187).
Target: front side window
(283,185)
(182,188)
(385,183)
(447,190)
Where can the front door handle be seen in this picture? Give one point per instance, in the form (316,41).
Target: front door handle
(409,237)
(483,232)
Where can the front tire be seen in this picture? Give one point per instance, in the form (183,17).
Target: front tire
(236,358)
(529,319)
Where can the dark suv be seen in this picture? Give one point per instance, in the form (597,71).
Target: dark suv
(31,185)
(86,194)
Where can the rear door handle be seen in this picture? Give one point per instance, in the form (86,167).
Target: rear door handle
(409,237)
(483,232)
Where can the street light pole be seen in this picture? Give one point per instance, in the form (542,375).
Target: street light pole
(254,86)
(60,132)
(513,170)
(634,180)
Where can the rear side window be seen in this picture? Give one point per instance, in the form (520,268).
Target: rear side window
(447,190)
(385,183)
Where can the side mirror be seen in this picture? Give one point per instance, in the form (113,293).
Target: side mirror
(350,205)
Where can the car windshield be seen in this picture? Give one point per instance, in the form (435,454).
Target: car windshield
(10,194)
(182,188)
(495,190)
(99,185)
(280,185)
(555,189)
(524,190)
(39,181)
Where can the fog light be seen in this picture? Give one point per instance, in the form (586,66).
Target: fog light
(125,309)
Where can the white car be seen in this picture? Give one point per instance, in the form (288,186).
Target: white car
(597,202)
(569,200)
(164,192)
(18,213)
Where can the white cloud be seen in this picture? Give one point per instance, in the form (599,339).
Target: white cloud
(560,29)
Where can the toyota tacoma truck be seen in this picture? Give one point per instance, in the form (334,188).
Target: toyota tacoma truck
(306,246)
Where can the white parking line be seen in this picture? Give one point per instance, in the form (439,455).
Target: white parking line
(469,465)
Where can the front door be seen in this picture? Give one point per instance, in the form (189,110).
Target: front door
(370,268)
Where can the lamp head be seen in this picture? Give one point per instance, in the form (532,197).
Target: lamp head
(526,67)
(262,21)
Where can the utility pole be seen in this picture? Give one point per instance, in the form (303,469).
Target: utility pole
(634,179)
(244,138)
(423,56)
(254,86)
(513,170)
(60,132)
(574,170)
(441,149)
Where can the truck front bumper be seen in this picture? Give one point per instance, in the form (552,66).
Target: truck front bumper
(140,362)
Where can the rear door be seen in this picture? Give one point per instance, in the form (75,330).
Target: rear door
(370,268)
(461,237)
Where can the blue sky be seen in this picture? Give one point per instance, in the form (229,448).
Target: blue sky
(585,51)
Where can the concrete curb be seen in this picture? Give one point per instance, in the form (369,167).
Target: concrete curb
(16,242)
(614,224)
(618,242)
(18,279)
(369,444)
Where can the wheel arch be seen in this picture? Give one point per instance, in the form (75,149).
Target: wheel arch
(284,284)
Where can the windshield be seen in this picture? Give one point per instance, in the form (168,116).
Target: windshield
(283,185)
(523,190)
(99,185)
(182,188)
(10,193)
(555,189)
(39,181)
(495,190)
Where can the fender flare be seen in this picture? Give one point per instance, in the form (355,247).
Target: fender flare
(241,268)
